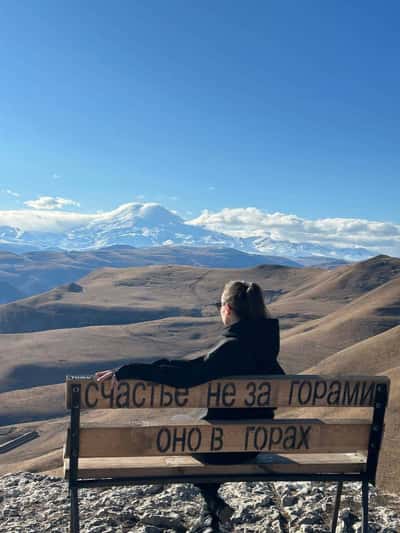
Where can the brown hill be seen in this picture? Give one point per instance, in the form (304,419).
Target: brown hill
(328,291)
(122,296)
(377,355)
(371,356)
(374,312)
(347,283)
(39,271)
(44,358)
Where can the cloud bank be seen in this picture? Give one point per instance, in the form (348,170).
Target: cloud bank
(380,237)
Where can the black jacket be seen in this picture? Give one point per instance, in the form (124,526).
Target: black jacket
(247,347)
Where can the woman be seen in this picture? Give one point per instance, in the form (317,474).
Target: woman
(250,345)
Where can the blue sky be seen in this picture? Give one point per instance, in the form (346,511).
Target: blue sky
(286,106)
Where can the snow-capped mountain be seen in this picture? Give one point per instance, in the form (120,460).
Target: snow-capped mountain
(142,225)
(150,224)
(266,245)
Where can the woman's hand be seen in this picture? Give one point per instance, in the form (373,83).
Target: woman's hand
(107,374)
(104,374)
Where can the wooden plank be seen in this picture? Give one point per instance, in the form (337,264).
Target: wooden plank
(163,467)
(279,436)
(246,391)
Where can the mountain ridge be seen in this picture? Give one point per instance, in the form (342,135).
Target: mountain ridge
(140,224)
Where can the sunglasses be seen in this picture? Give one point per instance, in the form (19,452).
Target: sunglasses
(218,305)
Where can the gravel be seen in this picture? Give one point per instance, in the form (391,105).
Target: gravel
(36,503)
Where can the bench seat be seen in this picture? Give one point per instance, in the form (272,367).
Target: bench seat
(264,463)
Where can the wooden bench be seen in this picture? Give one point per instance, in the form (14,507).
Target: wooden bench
(296,449)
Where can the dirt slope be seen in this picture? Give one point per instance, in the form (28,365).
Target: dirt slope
(373,313)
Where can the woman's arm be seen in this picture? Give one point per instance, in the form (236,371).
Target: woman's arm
(130,369)
(177,376)
(172,362)
(186,374)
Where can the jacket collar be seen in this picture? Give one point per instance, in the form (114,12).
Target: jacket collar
(246,326)
(235,329)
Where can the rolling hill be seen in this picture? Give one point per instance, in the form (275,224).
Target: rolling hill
(373,313)
(333,322)
(376,355)
(121,296)
(39,271)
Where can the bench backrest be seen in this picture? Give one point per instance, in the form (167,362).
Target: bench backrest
(244,391)
(272,436)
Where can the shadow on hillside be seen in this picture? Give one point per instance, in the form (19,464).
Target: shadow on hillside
(28,376)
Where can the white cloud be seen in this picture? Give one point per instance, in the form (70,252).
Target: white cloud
(51,202)
(11,193)
(41,220)
(343,232)
(63,221)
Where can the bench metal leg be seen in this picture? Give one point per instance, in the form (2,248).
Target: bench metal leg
(337,505)
(73,494)
(365,506)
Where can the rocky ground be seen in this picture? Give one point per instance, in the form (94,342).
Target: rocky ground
(35,503)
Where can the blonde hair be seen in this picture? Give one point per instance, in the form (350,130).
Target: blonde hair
(246,299)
